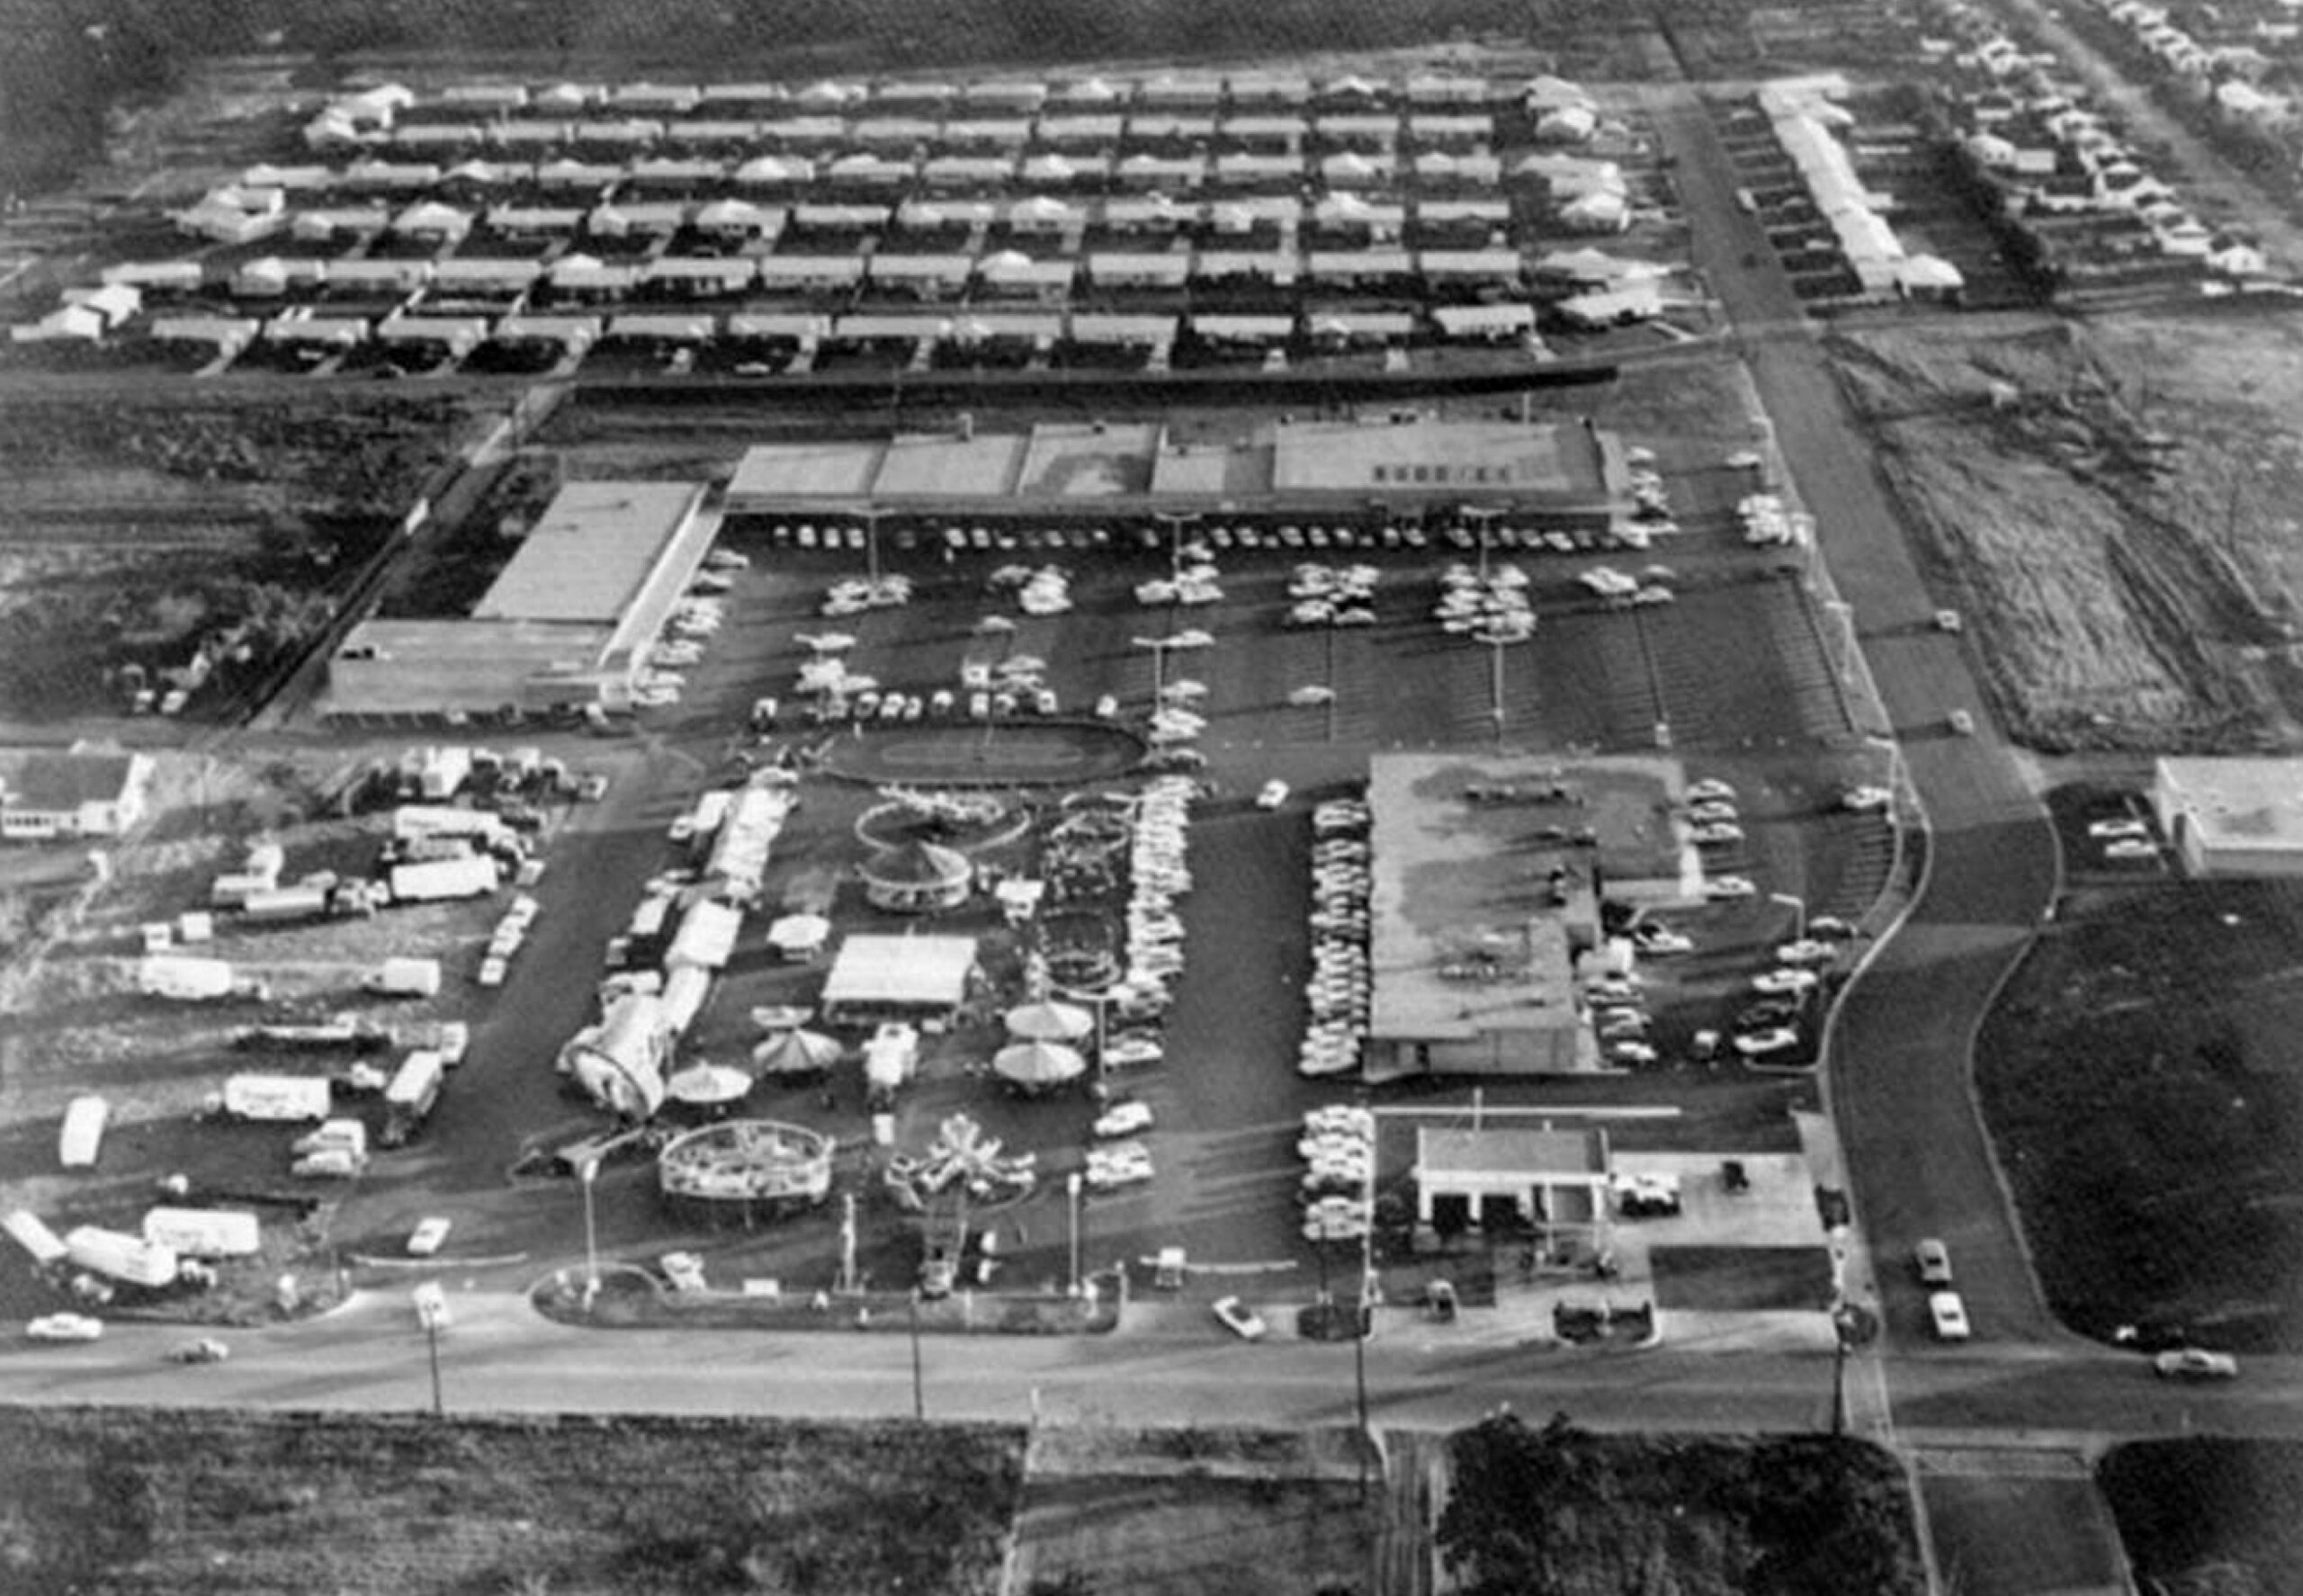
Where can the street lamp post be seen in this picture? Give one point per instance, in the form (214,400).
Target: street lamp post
(872,514)
(1798,908)
(1479,516)
(1072,1188)
(1159,647)
(587,1172)
(431,1308)
(918,1387)
(1495,683)
(1176,521)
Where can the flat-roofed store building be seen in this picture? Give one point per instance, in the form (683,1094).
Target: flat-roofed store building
(1511,1180)
(566,624)
(2232,817)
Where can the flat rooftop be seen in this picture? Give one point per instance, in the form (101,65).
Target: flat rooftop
(843,470)
(928,466)
(590,554)
(1467,938)
(1384,456)
(1509,1149)
(2237,805)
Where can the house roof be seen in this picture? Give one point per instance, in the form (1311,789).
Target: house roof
(45,779)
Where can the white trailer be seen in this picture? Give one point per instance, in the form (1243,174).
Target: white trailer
(282,1100)
(83,1135)
(403,978)
(738,860)
(475,875)
(412,821)
(119,1256)
(409,1098)
(186,980)
(706,939)
(204,1233)
(685,991)
(31,1232)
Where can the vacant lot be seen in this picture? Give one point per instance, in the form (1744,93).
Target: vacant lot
(2141,1078)
(2209,1518)
(140,532)
(2113,506)
(194,1503)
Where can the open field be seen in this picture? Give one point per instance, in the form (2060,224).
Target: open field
(2140,1077)
(249,1504)
(2110,507)
(141,533)
(2209,1517)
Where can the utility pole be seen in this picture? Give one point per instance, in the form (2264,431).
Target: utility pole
(918,1389)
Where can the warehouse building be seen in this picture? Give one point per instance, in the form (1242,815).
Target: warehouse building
(565,625)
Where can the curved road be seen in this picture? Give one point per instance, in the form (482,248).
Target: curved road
(1900,1067)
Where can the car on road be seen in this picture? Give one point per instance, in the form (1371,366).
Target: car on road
(1961,723)
(1947,1316)
(1933,1259)
(206,1350)
(1949,621)
(65,1327)
(1272,795)
(2195,1363)
(428,1235)
(1240,1319)
(1766,1044)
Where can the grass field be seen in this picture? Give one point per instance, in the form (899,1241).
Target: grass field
(251,1504)
(2141,1078)
(2210,1517)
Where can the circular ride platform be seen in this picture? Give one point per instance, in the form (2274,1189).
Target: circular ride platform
(1029,753)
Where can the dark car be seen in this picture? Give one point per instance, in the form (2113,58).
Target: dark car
(1767,1015)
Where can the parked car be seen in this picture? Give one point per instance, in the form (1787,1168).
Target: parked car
(1933,1260)
(1272,795)
(1123,1119)
(65,1327)
(206,1350)
(1766,1044)
(1961,723)
(1240,1319)
(425,1239)
(1776,982)
(1722,889)
(1947,1315)
(2195,1363)
(2131,848)
(2124,826)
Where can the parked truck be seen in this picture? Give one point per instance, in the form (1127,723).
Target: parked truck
(272,1098)
(403,978)
(339,1148)
(280,906)
(410,1099)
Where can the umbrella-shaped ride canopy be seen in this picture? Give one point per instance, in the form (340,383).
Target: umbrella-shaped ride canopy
(796,1052)
(1048,1021)
(707,1084)
(1039,1063)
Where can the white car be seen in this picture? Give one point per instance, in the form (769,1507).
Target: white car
(1109,1174)
(1123,1119)
(1745,460)
(1657,941)
(1632,1052)
(1712,811)
(1766,1044)
(1933,1259)
(1807,950)
(2131,848)
(1947,1315)
(1240,1319)
(728,560)
(425,1239)
(1272,795)
(492,972)
(1866,799)
(65,1327)
(1721,888)
(1710,791)
(1775,983)
(1716,833)
(2105,831)
(2195,1363)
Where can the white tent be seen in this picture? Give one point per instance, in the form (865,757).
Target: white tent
(901,972)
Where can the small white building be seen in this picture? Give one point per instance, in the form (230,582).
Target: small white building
(2232,816)
(46,794)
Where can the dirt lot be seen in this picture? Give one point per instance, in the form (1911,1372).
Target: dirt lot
(197,1502)
(2209,1518)
(141,531)
(2111,506)
(2141,1079)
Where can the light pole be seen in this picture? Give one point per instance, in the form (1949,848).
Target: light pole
(1798,908)
(871,514)
(587,1172)
(1479,516)
(1072,1190)
(431,1311)
(1159,647)
(1176,520)
(919,1388)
